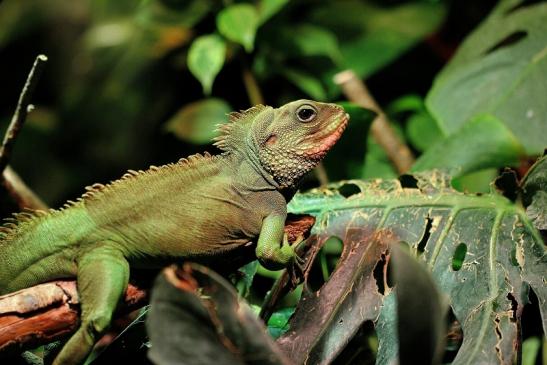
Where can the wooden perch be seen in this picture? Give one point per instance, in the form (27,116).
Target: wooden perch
(47,312)
(397,151)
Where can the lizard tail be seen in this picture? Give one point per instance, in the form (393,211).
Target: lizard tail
(35,246)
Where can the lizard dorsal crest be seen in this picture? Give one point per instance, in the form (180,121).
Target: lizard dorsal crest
(232,134)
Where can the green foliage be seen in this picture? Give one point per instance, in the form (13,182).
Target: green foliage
(534,193)
(205,59)
(196,122)
(498,70)
(268,8)
(374,40)
(487,143)
(238,23)
(530,350)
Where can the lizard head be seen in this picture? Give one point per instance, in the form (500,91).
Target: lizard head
(288,141)
(292,139)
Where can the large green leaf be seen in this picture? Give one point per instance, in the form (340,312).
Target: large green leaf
(500,69)
(239,23)
(374,36)
(195,122)
(206,58)
(482,143)
(534,193)
(482,251)
(312,40)
(184,14)
(306,82)
(268,8)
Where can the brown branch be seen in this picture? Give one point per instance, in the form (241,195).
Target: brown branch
(46,312)
(16,188)
(396,150)
(20,114)
(20,192)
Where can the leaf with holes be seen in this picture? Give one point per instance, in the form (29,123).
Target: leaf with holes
(500,70)
(482,251)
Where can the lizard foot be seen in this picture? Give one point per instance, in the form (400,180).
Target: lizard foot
(298,265)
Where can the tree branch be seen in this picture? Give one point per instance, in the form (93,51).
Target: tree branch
(46,312)
(20,114)
(20,192)
(17,189)
(396,150)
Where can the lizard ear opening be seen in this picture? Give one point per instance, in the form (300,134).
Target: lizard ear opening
(271,140)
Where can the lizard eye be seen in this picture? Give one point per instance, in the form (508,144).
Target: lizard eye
(306,113)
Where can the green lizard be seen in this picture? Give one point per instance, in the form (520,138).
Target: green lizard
(202,208)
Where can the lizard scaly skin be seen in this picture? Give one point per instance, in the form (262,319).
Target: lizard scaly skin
(203,208)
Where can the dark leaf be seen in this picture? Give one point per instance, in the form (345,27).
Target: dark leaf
(421,309)
(196,317)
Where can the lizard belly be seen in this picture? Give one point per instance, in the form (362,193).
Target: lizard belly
(203,225)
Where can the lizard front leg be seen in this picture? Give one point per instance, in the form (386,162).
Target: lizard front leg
(103,274)
(273,249)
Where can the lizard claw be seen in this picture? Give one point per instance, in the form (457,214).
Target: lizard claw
(297,267)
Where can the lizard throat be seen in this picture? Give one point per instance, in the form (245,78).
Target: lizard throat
(325,143)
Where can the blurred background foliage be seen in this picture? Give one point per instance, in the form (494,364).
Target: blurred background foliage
(133,83)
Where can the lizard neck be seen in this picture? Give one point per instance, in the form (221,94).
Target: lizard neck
(249,171)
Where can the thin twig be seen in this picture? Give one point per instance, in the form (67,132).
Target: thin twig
(20,114)
(17,189)
(23,196)
(396,150)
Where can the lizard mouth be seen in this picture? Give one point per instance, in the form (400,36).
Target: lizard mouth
(328,139)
